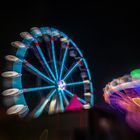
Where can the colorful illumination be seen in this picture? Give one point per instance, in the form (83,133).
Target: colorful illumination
(123,94)
(54,68)
(54,58)
(74,104)
(63,62)
(61,85)
(136,101)
(71,69)
(44,60)
(43,105)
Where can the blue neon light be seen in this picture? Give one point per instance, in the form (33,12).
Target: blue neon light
(63,63)
(71,70)
(45,62)
(65,98)
(54,59)
(61,101)
(39,73)
(75,83)
(71,94)
(38,88)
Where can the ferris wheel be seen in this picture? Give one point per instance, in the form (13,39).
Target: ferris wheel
(48,74)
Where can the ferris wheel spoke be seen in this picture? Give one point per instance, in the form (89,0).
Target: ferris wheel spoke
(35,71)
(75,83)
(47,67)
(61,101)
(63,63)
(43,105)
(71,94)
(37,88)
(47,46)
(54,58)
(65,98)
(71,69)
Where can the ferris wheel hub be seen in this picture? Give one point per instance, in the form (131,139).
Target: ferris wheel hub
(61,85)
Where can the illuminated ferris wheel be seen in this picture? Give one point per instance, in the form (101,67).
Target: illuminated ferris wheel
(48,74)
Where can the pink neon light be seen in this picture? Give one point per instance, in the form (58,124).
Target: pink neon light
(74,104)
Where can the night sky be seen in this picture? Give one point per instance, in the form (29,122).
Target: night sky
(107,33)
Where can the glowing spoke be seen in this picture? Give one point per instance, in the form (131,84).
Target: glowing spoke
(37,72)
(54,58)
(37,88)
(75,83)
(65,98)
(71,94)
(44,60)
(71,69)
(61,102)
(43,105)
(63,62)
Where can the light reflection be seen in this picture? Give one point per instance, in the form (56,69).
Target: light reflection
(123,94)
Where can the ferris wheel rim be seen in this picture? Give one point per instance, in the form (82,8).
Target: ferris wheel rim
(21,51)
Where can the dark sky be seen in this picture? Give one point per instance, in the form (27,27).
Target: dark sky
(107,33)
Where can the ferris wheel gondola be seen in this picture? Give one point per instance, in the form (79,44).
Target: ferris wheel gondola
(48,71)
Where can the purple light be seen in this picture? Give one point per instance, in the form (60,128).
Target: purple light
(61,85)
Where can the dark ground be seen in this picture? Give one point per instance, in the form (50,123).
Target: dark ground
(106,32)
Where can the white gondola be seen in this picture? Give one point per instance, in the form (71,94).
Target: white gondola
(86,106)
(11,92)
(18,44)
(87,94)
(23,110)
(11,58)
(36,31)
(86,81)
(10,74)
(16,109)
(26,35)
(64,39)
(56,34)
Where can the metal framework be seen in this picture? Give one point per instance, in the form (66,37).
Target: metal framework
(57,75)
